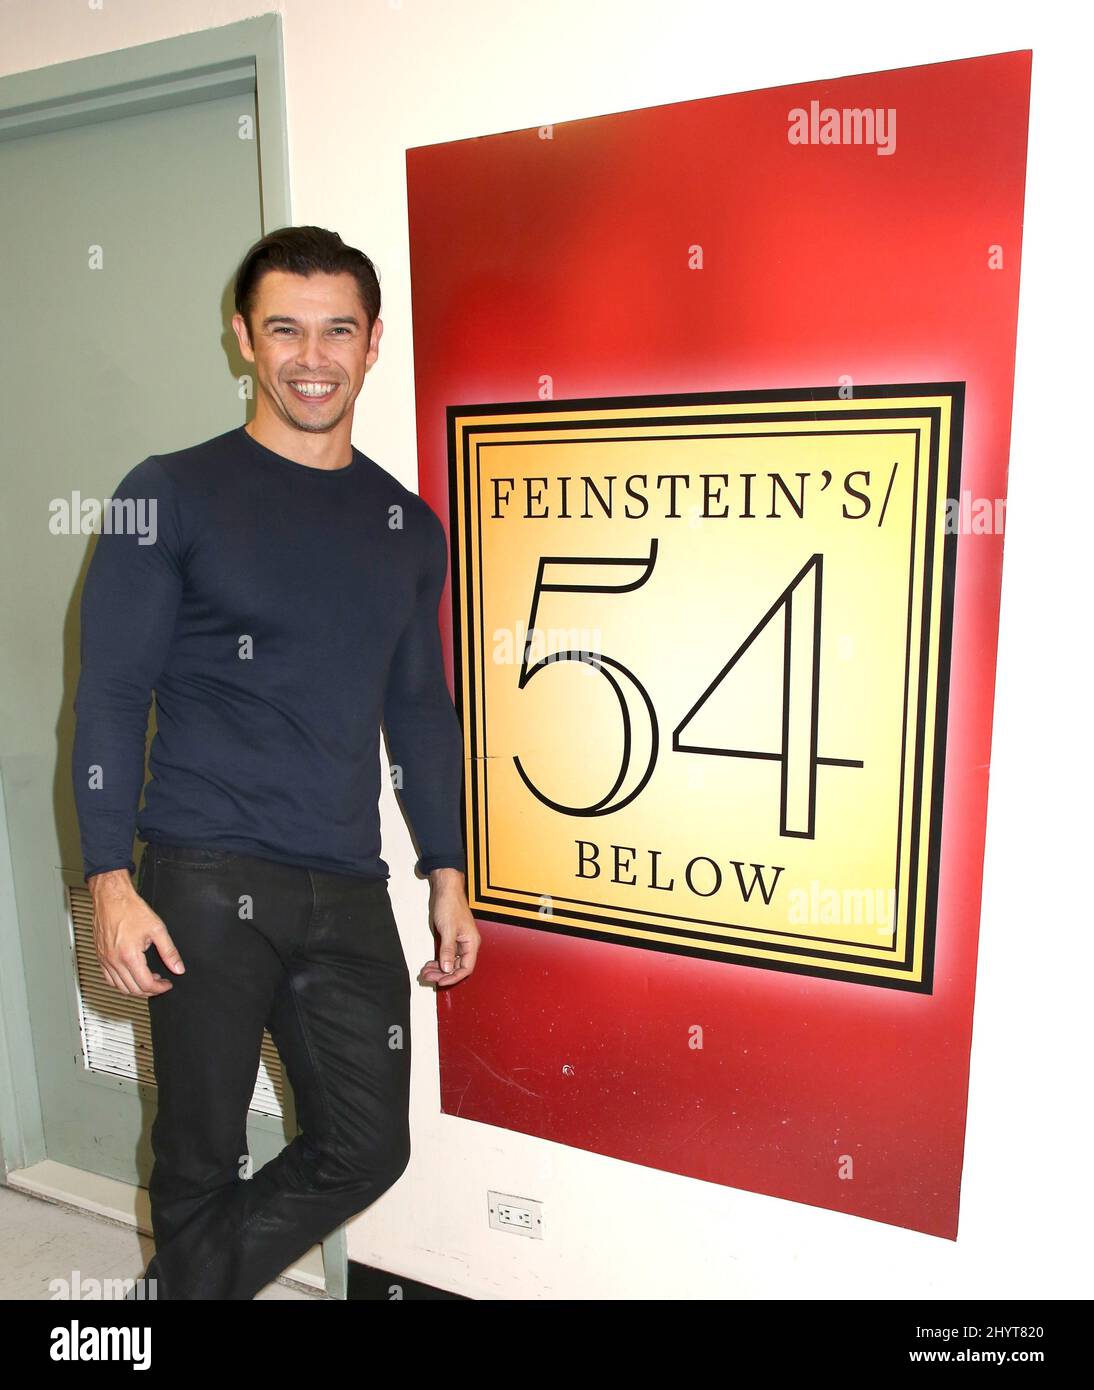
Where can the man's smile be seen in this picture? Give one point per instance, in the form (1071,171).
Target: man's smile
(313,390)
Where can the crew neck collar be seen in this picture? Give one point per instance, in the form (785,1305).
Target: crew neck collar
(269,456)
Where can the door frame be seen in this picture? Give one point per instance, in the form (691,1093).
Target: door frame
(247,56)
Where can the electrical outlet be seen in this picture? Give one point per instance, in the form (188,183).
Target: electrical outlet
(520,1216)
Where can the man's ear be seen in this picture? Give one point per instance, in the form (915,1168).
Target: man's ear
(239,323)
(374,343)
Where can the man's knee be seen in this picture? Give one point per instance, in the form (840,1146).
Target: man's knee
(364,1176)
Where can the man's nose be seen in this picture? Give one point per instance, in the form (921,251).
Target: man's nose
(313,352)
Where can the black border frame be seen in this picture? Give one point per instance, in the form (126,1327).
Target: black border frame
(955,391)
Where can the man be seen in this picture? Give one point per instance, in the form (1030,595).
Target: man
(287,605)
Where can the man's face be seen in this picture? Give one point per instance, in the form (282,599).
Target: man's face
(310,344)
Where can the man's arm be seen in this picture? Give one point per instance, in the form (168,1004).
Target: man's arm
(423,730)
(128,609)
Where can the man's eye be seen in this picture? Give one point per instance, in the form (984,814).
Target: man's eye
(343,329)
(284,328)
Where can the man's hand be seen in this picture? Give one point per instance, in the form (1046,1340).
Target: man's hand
(450,917)
(125,926)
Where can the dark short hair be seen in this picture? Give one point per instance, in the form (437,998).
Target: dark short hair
(306,251)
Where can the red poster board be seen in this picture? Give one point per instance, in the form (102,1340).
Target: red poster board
(809,292)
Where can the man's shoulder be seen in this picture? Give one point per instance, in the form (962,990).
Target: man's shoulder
(414,505)
(156,471)
(209,453)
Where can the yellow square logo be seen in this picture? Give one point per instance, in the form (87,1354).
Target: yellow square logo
(702,652)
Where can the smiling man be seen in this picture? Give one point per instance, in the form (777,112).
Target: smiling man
(287,608)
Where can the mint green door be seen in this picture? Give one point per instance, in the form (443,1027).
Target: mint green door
(115,244)
(121,226)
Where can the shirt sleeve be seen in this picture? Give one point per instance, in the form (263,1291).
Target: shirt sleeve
(423,729)
(130,600)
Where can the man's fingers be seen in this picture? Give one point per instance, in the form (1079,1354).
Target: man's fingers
(143,978)
(121,979)
(453,977)
(431,973)
(167,949)
(129,977)
(455,953)
(459,953)
(138,978)
(111,977)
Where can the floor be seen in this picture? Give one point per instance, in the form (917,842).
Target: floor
(50,1249)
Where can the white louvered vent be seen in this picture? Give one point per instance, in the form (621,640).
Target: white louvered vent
(114,1028)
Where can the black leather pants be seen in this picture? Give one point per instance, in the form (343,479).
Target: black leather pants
(315,958)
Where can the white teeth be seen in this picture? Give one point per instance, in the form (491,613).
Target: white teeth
(313,388)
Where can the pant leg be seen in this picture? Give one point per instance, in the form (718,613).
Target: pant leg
(340,1017)
(207,1037)
(341,1022)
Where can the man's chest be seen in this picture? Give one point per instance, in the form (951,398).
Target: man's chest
(310,575)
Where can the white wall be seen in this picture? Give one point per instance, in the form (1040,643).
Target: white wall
(366,79)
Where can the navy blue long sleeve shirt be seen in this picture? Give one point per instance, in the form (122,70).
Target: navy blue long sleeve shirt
(280,614)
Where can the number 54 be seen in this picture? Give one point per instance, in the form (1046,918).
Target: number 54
(798,606)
